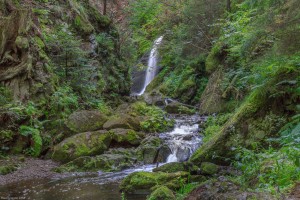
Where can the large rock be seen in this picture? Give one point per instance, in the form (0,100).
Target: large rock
(177,167)
(141,182)
(123,121)
(178,108)
(222,188)
(154,98)
(126,137)
(162,193)
(82,144)
(84,120)
(149,149)
(208,168)
(106,162)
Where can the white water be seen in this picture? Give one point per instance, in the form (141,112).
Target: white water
(152,64)
(184,140)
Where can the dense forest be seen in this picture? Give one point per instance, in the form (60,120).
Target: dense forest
(150,99)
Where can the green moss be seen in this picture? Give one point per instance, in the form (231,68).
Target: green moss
(82,144)
(7,169)
(219,146)
(22,42)
(208,168)
(148,180)
(162,193)
(6,136)
(83,25)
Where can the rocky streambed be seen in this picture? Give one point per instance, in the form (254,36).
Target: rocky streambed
(123,151)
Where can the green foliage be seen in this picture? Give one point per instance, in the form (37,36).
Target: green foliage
(277,169)
(63,102)
(155,118)
(5,96)
(36,146)
(214,124)
(106,45)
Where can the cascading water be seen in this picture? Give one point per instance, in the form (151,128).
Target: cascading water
(152,64)
(184,140)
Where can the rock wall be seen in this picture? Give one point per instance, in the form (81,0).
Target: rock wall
(22,69)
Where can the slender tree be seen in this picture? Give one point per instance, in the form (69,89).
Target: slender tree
(104,6)
(229,5)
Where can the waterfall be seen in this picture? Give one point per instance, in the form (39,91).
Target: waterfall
(184,140)
(152,64)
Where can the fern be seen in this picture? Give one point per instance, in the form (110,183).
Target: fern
(37,144)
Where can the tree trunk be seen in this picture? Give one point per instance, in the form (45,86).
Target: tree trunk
(104,6)
(66,65)
(229,5)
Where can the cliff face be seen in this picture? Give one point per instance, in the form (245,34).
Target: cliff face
(33,54)
(22,68)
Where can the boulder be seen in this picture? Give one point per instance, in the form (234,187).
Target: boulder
(162,193)
(171,167)
(178,108)
(154,98)
(82,144)
(126,137)
(208,168)
(141,182)
(123,121)
(177,167)
(106,162)
(84,120)
(148,150)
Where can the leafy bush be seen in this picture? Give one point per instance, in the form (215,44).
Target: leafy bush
(36,146)
(5,96)
(275,170)
(213,125)
(155,118)
(63,102)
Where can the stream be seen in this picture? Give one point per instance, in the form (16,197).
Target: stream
(183,140)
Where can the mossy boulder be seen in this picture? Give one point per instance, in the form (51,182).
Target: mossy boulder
(58,130)
(154,98)
(126,137)
(106,162)
(162,193)
(208,168)
(178,108)
(149,149)
(123,121)
(177,167)
(82,144)
(141,182)
(171,167)
(84,120)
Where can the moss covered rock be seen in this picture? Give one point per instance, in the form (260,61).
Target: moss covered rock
(106,162)
(82,144)
(208,168)
(138,182)
(123,121)
(178,108)
(171,167)
(84,120)
(149,149)
(177,167)
(126,137)
(162,193)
